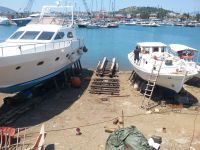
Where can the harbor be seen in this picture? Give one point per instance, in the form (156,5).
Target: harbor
(125,79)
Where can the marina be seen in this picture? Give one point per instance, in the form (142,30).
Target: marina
(99,80)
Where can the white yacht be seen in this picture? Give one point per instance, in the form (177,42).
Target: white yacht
(188,54)
(4,21)
(154,60)
(150,24)
(42,49)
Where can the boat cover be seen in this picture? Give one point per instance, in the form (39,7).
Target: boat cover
(127,138)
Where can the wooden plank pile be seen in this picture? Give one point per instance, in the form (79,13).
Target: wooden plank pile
(106,81)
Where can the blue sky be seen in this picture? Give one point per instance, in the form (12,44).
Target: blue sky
(175,5)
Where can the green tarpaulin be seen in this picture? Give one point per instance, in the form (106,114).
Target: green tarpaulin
(129,137)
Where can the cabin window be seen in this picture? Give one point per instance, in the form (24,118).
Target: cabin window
(40,63)
(46,36)
(16,35)
(155,49)
(18,67)
(59,35)
(57,58)
(162,49)
(70,35)
(30,35)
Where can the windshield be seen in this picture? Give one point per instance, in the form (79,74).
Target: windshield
(16,35)
(30,35)
(59,35)
(46,36)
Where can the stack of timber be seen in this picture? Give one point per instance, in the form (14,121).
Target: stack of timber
(106,81)
(107,68)
(106,86)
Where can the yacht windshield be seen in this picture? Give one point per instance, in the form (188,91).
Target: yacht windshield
(46,36)
(30,35)
(59,35)
(16,35)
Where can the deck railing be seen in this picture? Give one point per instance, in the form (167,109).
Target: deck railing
(39,47)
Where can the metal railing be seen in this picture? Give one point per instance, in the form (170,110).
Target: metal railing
(21,49)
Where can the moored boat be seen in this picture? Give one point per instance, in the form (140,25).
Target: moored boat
(188,54)
(4,21)
(40,50)
(22,21)
(154,60)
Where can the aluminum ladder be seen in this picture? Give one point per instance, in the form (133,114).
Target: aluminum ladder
(146,104)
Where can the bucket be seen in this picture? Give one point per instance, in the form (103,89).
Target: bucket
(75,82)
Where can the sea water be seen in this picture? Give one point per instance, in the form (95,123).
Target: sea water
(118,42)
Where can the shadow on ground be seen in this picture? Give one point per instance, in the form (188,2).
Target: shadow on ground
(50,147)
(184,97)
(54,102)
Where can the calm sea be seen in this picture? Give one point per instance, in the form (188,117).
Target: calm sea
(118,42)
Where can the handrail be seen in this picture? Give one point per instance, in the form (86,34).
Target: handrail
(38,47)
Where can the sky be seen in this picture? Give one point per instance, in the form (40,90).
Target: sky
(182,6)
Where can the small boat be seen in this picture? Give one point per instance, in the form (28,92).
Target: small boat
(188,54)
(4,21)
(83,24)
(131,23)
(154,60)
(40,50)
(22,21)
(150,24)
(113,25)
(93,26)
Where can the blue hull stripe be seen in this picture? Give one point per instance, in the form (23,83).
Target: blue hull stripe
(28,84)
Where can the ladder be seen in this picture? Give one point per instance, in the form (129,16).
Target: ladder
(132,75)
(151,86)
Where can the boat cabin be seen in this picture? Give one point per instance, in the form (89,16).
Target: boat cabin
(151,47)
(183,51)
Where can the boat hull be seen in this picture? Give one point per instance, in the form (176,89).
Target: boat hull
(22,22)
(21,72)
(171,81)
(82,26)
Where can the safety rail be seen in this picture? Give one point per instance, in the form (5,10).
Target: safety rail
(21,138)
(38,47)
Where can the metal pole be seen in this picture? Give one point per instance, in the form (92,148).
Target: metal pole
(17,139)
(2,51)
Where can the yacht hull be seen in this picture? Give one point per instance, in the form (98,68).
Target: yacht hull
(22,21)
(171,81)
(21,72)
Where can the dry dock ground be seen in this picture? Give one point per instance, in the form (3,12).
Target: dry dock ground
(64,110)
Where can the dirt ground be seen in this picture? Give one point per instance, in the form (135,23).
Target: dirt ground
(69,108)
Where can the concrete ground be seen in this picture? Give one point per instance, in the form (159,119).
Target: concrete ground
(65,110)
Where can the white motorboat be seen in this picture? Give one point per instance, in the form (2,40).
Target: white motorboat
(187,53)
(154,60)
(93,26)
(4,21)
(131,23)
(40,50)
(150,24)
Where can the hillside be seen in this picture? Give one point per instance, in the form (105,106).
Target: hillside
(6,10)
(144,11)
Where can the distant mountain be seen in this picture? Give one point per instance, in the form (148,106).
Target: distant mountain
(144,11)
(6,10)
